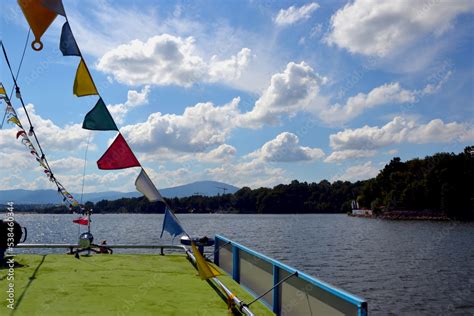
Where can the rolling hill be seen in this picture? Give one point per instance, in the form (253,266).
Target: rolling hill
(208,188)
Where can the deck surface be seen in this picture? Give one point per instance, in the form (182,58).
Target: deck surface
(117,284)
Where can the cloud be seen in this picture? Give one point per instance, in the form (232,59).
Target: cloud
(199,128)
(356,105)
(105,26)
(16,161)
(295,89)
(294,14)
(67,165)
(358,172)
(51,136)
(254,173)
(401,130)
(134,99)
(169,60)
(222,153)
(386,27)
(341,155)
(285,148)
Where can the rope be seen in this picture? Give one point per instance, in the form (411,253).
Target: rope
(217,250)
(17,88)
(266,292)
(17,73)
(85,165)
(4,116)
(31,130)
(21,60)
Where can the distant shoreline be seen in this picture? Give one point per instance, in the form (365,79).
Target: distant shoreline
(391,215)
(408,216)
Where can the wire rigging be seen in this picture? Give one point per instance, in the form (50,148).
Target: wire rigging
(18,71)
(85,165)
(31,131)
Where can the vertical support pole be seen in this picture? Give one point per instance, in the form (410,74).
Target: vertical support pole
(276,291)
(235,264)
(216,251)
(363,309)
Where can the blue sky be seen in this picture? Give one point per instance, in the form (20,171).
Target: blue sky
(252,93)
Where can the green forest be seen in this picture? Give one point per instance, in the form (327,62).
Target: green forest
(442,184)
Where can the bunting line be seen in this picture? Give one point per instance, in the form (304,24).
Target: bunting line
(12,117)
(119,155)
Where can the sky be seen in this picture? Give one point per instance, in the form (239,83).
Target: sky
(250,93)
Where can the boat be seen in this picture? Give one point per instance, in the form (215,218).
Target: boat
(197,276)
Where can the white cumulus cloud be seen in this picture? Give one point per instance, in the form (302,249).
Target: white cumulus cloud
(50,135)
(401,130)
(286,148)
(341,155)
(199,128)
(254,173)
(356,105)
(295,14)
(358,172)
(222,153)
(380,28)
(134,99)
(293,90)
(296,89)
(169,60)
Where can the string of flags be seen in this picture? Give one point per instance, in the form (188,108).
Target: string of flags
(12,117)
(40,14)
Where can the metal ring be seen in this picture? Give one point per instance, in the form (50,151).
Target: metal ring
(37,45)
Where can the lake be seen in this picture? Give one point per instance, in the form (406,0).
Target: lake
(400,267)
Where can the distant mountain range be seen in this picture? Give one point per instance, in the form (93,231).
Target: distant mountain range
(209,188)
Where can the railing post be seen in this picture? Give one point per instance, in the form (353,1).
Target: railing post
(276,291)
(216,251)
(235,264)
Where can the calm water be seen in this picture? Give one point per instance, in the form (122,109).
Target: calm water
(408,268)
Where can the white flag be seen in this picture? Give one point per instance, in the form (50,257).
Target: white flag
(146,186)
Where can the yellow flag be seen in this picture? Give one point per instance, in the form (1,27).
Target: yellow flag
(2,89)
(206,270)
(14,120)
(83,84)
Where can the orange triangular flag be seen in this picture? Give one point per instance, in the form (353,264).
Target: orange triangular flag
(83,84)
(206,269)
(39,18)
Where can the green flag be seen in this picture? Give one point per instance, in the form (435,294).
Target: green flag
(99,119)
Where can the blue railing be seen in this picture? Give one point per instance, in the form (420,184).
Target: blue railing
(297,293)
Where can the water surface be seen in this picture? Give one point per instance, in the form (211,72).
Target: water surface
(400,267)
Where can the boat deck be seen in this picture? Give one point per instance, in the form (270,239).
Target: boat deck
(118,284)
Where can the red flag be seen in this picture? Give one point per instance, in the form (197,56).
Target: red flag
(81,220)
(118,156)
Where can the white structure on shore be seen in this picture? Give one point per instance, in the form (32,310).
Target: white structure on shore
(360,212)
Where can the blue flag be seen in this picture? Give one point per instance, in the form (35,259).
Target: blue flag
(68,45)
(171,224)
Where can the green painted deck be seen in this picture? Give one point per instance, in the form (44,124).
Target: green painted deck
(118,284)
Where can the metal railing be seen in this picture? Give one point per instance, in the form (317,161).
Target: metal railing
(292,292)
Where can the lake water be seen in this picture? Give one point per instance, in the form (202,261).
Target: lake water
(400,267)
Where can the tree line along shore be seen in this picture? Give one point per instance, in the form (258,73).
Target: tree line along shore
(440,186)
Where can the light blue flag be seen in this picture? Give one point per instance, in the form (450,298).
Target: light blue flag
(68,45)
(171,224)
